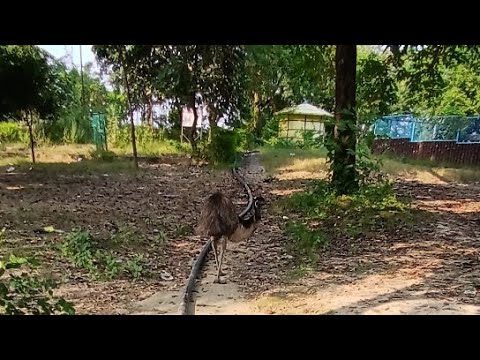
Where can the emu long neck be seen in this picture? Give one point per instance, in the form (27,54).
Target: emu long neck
(243,232)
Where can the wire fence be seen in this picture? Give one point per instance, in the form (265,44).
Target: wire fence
(458,129)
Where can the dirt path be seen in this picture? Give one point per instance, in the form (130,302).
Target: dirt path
(251,267)
(433,270)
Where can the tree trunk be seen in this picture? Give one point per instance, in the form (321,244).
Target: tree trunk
(29,120)
(130,112)
(143,116)
(344,175)
(256,115)
(150,109)
(191,136)
(212,121)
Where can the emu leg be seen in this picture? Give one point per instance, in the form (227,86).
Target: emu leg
(222,252)
(214,247)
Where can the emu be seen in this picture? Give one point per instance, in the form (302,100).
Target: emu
(220,220)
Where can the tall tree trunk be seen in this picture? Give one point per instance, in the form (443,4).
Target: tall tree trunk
(212,121)
(344,174)
(29,120)
(150,109)
(191,136)
(130,111)
(143,112)
(256,115)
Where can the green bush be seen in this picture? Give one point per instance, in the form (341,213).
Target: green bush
(222,148)
(103,155)
(324,216)
(80,248)
(13,132)
(24,293)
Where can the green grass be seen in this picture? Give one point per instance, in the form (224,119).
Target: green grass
(314,161)
(293,159)
(18,154)
(154,148)
(320,217)
(64,159)
(82,250)
(426,170)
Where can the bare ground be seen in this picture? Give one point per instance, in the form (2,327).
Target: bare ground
(432,270)
(160,201)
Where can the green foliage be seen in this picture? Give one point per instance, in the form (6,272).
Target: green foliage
(246,139)
(161,238)
(326,217)
(80,248)
(222,149)
(103,155)
(29,83)
(437,79)
(376,87)
(12,132)
(124,235)
(25,293)
(183,230)
(135,266)
(282,143)
(368,169)
(180,73)
(309,141)
(305,241)
(112,265)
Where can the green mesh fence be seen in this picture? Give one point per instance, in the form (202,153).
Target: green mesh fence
(460,129)
(395,126)
(99,126)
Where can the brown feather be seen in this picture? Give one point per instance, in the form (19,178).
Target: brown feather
(218,217)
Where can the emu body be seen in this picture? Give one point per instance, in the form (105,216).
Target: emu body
(220,220)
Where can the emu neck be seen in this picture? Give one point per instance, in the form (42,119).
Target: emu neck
(243,232)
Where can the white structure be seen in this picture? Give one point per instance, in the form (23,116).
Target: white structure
(294,121)
(187,121)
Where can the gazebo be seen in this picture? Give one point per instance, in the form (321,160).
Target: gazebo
(295,121)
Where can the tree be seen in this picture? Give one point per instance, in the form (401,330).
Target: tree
(344,177)
(208,74)
(376,86)
(122,58)
(283,75)
(420,70)
(30,87)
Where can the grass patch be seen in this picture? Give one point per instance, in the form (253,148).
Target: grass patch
(323,217)
(87,167)
(78,158)
(154,148)
(82,250)
(294,159)
(64,159)
(313,161)
(19,154)
(428,171)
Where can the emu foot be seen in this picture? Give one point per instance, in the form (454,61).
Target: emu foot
(219,281)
